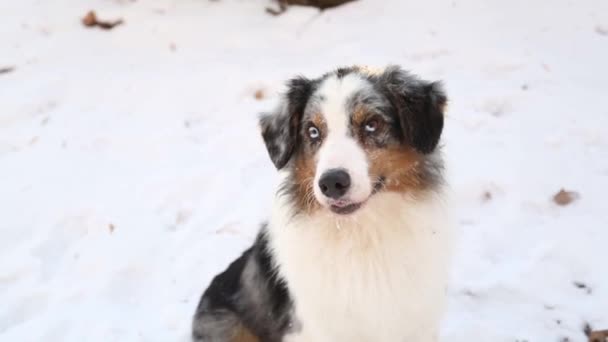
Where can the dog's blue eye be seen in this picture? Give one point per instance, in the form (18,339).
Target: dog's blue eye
(313,132)
(371,126)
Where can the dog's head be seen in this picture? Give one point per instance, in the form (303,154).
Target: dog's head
(352,133)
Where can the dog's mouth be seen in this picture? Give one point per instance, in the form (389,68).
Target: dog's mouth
(345,207)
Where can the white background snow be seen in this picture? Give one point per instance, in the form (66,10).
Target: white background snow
(132,171)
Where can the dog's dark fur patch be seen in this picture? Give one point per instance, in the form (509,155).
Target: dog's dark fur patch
(247,300)
(280,129)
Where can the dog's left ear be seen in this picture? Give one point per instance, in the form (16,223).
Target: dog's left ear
(280,129)
(420,106)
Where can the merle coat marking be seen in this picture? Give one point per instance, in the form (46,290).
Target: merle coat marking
(368,266)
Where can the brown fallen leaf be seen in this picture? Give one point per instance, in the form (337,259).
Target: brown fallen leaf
(564,197)
(6,70)
(595,336)
(598,336)
(90,20)
(111,228)
(259,94)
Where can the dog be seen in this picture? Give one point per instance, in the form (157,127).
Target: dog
(358,241)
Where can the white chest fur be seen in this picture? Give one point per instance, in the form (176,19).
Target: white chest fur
(378,275)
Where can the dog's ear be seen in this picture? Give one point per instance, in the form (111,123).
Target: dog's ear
(280,129)
(420,106)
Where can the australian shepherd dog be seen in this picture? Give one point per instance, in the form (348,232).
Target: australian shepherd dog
(357,244)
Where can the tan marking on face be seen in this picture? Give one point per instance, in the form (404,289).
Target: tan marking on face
(400,166)
(359,115)
(318,121)
(304,175)
(242,334)
(305,166)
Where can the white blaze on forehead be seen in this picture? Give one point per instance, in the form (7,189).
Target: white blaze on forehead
(340,150)
(336,92)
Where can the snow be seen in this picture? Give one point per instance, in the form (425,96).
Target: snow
(131,168)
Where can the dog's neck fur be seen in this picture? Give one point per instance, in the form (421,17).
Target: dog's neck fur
(366,274)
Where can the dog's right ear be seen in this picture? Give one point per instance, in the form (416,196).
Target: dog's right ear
(280,129)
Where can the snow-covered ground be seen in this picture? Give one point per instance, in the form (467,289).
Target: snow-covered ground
(131,168)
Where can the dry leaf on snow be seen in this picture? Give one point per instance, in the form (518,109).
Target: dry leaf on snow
(564,197)
(259,94)
(595,336)
(90,20)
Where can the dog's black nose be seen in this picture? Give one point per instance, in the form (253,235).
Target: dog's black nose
(334,183)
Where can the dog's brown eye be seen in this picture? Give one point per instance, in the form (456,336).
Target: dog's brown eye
(313,132)
(371,126)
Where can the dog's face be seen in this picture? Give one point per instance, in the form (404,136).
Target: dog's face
(350,134)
